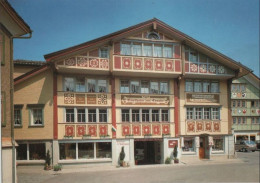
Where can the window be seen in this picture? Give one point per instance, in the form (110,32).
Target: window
(239,120)
(198,113)
(255,120)
(145,115)
(164,88)
(102,115)
(244,120)
(85,150)
(238,103)
(69,84)
(125,115)
(81,115)
(206,87)
(157,51)
(154,87)
(17,115)
(189,144)
(144,87)
(67,151)
(167,51)
(37,151)
(80,84)
(125,49)
(135,115)
(103,150)
(234,120)
(218,144)
(21,152)
(91,85)
(215,113)
(70,115)
(104,52)
(102,86)
(197,86)
(135,86)
(37,116)
(92,115)
(189,114)
(137,49)
(153,35)
(189,86)
(193,56)
(243,103)
(124,86)
(165,115)
(147,50)
(155,115)
(237,87)
(201,86)
(214,87)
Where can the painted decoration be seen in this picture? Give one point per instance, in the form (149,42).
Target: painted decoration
(158,64)
(144,100)
(166,129)
(91,99)
(127,63)
(202,98)
(194,67)
(82,62)
(68,98)
(191,126)
(234,95)
(125,130)
(216,126)
(203,68)
(92,130)
(243,95)
(169,65)
(94,63)
(136,129)
(103,64)
(148,64)
(69,130)
(199,126)
(208,126)
(146,129)
(221,69)
(156,129)
(102,99)
(212,69)
(70,61)
(244,111)
(80,98)
(81,130)
(102,129)
(258,111)
(138,64)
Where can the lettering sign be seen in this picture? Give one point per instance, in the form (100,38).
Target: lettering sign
(202,98)
(172,143)
(144,100)
(91,99)
(80,98)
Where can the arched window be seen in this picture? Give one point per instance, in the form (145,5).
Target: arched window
(153,35)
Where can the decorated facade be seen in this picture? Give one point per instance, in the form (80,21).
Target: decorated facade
(146,88)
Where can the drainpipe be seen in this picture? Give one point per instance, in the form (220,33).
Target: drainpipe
(12,103)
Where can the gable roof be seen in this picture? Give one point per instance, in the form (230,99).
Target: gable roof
(163,27)
(21,62)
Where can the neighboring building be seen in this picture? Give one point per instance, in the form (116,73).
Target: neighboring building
(246,107)
(11,26)
(146,88)
(23,66)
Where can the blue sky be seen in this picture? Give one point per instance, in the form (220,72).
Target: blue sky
(228,26)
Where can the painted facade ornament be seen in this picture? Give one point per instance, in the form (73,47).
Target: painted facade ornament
(92,130)
(243,95)
(81,130)
(194,68)
(156,129)
(203,68)
(212,69)
(199,126)
(244,111)
(69,130)
(70,61)
(136,130)
(166,129)
(125,130)
(94,63)
(158,65)
(82,61)
(148,64)
(103,130)
(146,129)
(127,63)
(68,98)
(191,126)
(208,126)
(239,111)
(103,64)
(216,126)
(221,69)
(234,95)
(102,99)
(138,64)
(169,65)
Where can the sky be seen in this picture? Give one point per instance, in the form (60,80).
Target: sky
(228,26)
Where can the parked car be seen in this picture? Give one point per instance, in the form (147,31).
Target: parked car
(245,145)
(257,144)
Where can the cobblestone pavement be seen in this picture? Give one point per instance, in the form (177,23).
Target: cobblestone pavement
(243,169)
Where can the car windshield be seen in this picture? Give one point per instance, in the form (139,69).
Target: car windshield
(250,142)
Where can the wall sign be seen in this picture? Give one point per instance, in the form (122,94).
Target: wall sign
(144,100)
(202,98)
(172,143)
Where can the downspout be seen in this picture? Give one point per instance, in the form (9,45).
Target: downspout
(12,104)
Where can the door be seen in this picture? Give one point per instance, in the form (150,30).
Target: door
(202,148)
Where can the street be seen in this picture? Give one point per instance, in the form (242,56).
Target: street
(245,170)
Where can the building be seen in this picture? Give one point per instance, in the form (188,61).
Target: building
(11,26)
(146,88)
(246,107)
(23,66)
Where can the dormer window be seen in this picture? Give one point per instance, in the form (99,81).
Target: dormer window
(153,35)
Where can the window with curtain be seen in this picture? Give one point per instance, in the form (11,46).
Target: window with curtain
(69,84)
(137,49)
(167,51)
(125,49)
(148,50)
(102,86)
(80,84)
(154,87)
(144,87)
(197,86)
(164,88)
(135,86)
(157,51)
(91,85)
(124,86)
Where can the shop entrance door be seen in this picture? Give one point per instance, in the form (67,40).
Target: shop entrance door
(202,148)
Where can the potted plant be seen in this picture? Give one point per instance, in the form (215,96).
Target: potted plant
(47,161)
(175,154)
(122,157)
(168,160)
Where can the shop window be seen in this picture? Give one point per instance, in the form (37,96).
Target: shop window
(145,115)
(189,145)
(67,151)
(103,52)
(86,150)
(165,115)
(218,144)
(70,115)
(21,152)
(135,115)
(125,115)
(155,116)
(103,150)
(37,151)
(81,116)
